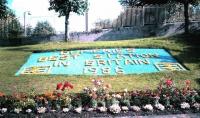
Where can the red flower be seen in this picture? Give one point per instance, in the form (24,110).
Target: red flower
(59,94)
(59,86)
(67,85)
(187,82)
(168,82)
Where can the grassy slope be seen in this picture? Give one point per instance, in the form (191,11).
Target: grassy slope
(12,58)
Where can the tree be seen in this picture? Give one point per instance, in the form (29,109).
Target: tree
(7,24)
(3,8)
(186,4)
(43,29)
(103,23)
(15,29)
(65,7)
(29,31)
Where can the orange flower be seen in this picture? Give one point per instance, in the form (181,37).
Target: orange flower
(112,78)
(2,94)
(187,82)
(48,94)
(51,96)
(108,86)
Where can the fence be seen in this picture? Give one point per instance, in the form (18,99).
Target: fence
(152,15)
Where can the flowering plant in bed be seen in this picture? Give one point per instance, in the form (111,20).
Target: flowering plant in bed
(100,98)
(97,95)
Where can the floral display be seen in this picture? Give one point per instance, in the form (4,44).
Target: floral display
(65,110)
(135,108)
(78,110)
(125,108)
(3,110)
(160,107)
(115,108)
(102,109)
(148,107)
(196,106)
(41,110)
(185,105)
(28,110)
(100,98)
(17,110)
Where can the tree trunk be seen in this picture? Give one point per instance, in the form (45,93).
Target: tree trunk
(186,15)
(66,27)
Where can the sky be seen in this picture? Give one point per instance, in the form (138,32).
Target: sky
(98,9)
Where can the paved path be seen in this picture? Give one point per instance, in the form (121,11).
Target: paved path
(166,116)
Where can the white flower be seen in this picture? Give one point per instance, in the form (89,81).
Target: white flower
(196,105)
(125,90)
(86,89)
(94,89)
(118,96)
(135,108)
(41,110)
(160,107)
(115,108)
(17,110)
(113,95)
(104,88)
(125,108)
(148,107)
(102,109)
(65,110)
(3,110)
(53,110)
(90,109)
(185,105)
(78,110)
(28,110)
(98,83)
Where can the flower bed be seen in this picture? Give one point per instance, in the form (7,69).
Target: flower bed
(100,99)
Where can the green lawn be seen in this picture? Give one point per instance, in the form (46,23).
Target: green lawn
(12,58)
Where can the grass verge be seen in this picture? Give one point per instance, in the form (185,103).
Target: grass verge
(12,58)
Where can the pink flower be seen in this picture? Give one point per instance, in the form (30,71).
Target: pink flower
(168,82)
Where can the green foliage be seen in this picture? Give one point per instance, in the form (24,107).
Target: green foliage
(65,101)
(133,3)
(11,27)
(43,29)
(64,7)
(15,29)
(29,31)
(3,8)
(93,103)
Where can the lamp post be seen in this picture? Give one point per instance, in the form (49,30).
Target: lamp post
(25,21)
(86,18)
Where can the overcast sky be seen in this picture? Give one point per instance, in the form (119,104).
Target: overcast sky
(98,9)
